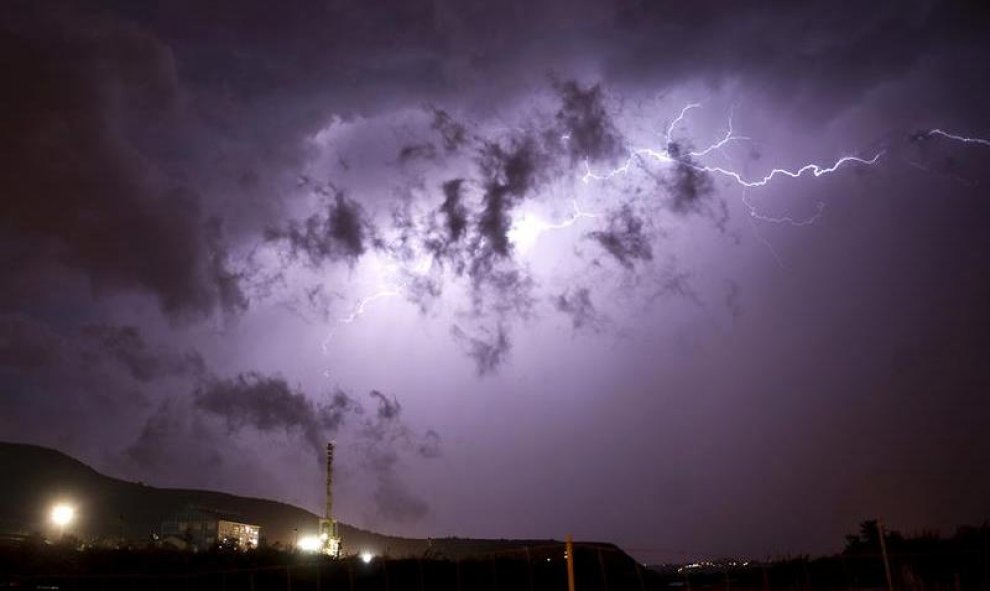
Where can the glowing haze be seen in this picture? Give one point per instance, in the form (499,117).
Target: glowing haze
(697,280)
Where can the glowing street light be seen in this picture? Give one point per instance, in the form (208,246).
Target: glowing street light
(367,557)
(309,544)
(62,515)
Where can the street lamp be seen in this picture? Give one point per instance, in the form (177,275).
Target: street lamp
(62,515)
(309,544)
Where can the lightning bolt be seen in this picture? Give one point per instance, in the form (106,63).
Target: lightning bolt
(958,138)
(360,308)
(527,229)
(718,145)
(666,156)
(677,121)
(923,135)
(765,242)
(357,312)
(578,214)
(755,214)
(818,171)
(815,169)
(392,269)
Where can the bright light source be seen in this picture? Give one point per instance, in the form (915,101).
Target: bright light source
(367,557)
(62,514)
(309,544)
(524,232)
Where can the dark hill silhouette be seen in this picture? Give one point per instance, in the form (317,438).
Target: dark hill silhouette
(36,477)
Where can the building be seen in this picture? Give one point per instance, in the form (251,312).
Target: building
(196,528)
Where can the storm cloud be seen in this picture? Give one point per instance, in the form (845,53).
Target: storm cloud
(82,195)
(340,232)
(624,239)
(578,305)
(586,127)
(267,403)
(385,437)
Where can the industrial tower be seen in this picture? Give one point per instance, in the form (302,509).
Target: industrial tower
(328,526)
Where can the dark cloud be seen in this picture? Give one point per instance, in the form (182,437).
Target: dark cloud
(268,403)
(417,152)
(395,52)
(687,183)
(498,285)
(584,124)
(452,133)
(341,232)
(424,290)
(384,436)
(388,409)
(512,170)
(395,502)
(126,346)
(509,173)
(453,209)
(671,280)
(733,295)
(505,292)
(935,154)
(624,239)
(445,239)
(83,388)
(230,284)
(404,244)
(387,426)
(810,58)
(79,185)
(429,447)
(169,443)
(402,237)
(26,345)
(577,304)
(488,348)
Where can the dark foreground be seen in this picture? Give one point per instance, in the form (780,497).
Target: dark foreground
(920,563)
(52,567)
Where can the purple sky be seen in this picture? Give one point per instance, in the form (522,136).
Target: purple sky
(528,263)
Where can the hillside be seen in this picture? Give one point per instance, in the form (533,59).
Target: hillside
(36,477)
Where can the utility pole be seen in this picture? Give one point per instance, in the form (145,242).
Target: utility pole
(569,551)
(883,552)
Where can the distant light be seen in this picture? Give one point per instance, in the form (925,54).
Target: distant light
(309,543)
(62,514)
(367,557)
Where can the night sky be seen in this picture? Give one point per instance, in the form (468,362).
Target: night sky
(698,278)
